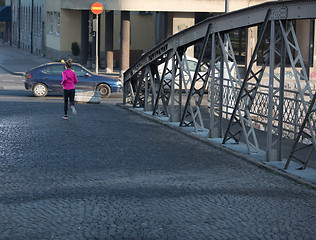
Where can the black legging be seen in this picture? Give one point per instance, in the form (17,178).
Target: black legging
(68,94)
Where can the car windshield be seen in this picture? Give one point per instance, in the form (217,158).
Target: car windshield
(80,70)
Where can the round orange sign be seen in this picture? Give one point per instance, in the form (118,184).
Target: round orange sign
(97,8)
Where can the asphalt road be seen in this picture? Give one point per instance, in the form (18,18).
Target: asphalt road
(107,173)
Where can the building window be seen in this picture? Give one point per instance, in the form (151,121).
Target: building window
(29,18)
(238,40)
(305,40)
(57,23)
(50,23)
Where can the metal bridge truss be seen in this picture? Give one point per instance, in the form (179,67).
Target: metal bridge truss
(161,81)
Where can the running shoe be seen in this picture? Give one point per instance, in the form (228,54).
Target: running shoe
(65,117)
(73,109)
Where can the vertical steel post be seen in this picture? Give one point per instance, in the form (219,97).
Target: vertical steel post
(281,99)
(146,89)
(125,89)
(221,88)
(215,121)
(180,86)
(172,116)
(270,151)
(296,109)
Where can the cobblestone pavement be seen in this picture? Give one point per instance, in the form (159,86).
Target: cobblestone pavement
(109,174)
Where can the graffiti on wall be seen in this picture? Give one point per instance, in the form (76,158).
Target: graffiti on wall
(289,75)
(290,81)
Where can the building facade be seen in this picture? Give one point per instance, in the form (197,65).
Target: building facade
(28,25)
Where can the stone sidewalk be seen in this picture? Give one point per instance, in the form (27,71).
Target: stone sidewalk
(107,173)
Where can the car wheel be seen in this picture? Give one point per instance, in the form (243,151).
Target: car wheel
(40,90)
(105,90)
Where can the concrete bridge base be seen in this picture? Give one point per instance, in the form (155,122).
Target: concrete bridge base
(83,96)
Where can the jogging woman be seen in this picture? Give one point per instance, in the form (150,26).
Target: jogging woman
(69,80)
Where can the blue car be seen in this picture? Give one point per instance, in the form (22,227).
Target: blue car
(47,78)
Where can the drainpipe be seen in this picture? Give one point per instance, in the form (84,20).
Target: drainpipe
(226,6)
(19,12)
(32,21)
(11,24)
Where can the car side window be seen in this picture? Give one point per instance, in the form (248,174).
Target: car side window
(47,70)
(79,71)
(54,70)
(58,70)
(192,66)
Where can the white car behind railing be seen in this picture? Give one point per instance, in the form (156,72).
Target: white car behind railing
(190,69)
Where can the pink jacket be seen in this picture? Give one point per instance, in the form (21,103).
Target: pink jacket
(69,79)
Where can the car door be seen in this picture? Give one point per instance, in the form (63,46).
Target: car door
(53,77)
(85,79)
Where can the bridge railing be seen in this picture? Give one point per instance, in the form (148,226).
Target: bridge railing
(162,81)
(293,111)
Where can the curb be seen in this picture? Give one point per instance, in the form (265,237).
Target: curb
(242,156)
(11,72)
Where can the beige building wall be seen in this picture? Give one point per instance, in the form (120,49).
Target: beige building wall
(142,34)
(181,21)
(167,5)
(163,5)
(70,29)
(239,4)
(53,6)
(142,31)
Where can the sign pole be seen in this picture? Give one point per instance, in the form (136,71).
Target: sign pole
(97,8)
(97,46)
